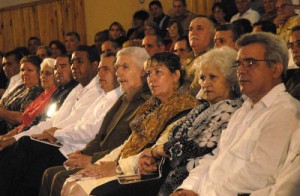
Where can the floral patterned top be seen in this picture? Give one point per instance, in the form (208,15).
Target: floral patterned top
(194,136)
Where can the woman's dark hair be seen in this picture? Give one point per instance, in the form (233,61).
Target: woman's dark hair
(142,14)
(122,30)
(180,28)
(170,60)
(33,59)
(59,45)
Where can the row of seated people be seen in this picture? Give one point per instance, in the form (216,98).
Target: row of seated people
(104,131)
(173,28)
(202,21)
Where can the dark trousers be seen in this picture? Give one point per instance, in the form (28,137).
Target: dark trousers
(22,166)
(143,188)
(54,179)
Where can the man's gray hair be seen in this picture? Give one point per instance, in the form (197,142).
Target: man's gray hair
(275,48)
(139,55)
(220,59)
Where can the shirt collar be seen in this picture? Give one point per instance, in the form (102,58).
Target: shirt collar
(269,98)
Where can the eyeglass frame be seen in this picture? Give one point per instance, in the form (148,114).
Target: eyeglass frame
(250,62)
(46,73)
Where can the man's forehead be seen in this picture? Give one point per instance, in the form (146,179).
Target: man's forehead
(180,43)
(226,33)
(79,54)
(149,39)
(107,61)
(61,60)
(200,21)
(252,50)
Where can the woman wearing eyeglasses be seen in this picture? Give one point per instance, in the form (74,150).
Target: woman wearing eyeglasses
(39,104)
(175,30)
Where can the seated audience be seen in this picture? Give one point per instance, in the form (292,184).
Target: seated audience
(245,11)
(175,30)
(57,48)
(244,160)
(182,47)
(169,102)
(110,47)
(153,44)
(226,35)
(117,33)
(137,31)
(43,52)
(181,14)
(218,14)
(270,10)
(32,44)
(72,41)
(159,17)
(115,127)
(65,82)
(28,158)
(193,136)
(14,104)
(286,18)
(100,38)
(3,78)
(201,36)
(39,104)
(151,28)
(264,26)
(293,84)
(11,67)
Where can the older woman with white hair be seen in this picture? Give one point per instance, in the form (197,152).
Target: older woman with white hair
(38,106)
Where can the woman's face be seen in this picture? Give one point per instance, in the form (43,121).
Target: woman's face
(47,77)
(114,32)
(29,74)
(218,14)
(214,87)
(173,30)
(162,82)
(55,51)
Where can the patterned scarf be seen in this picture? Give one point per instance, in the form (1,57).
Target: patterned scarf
(152,117)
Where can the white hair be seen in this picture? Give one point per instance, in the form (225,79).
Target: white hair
(49,62)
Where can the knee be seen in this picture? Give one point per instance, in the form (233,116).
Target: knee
(76,190)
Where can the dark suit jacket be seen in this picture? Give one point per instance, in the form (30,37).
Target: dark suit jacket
(107,140)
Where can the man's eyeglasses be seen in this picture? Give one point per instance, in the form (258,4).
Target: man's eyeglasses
(283,6)
(249,62)
(291,45)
